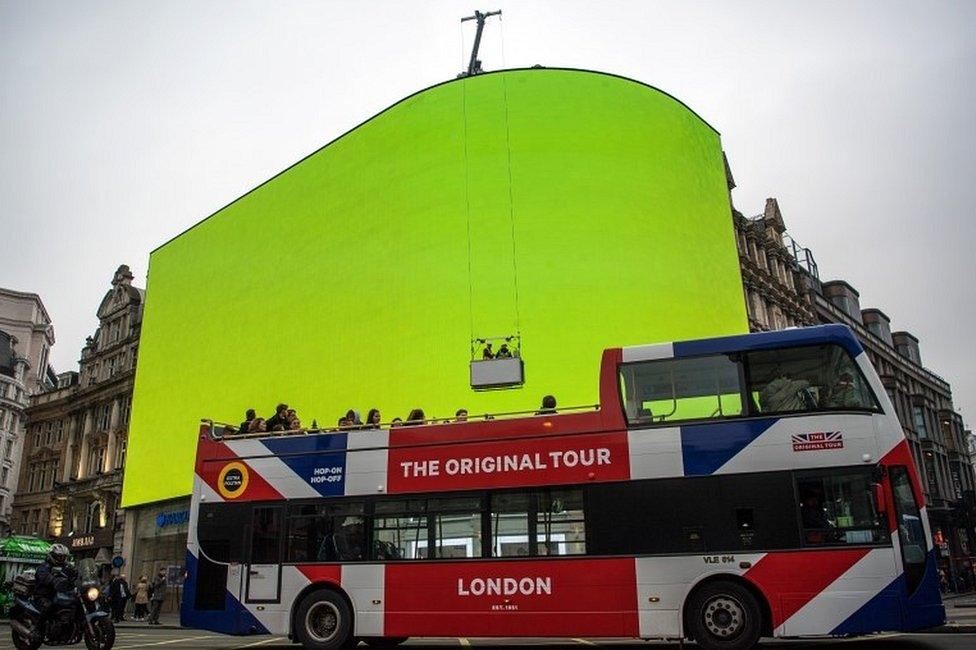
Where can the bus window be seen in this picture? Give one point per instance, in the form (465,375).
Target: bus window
(560,526)
(400,530)
(911,534)
(220,530)
(266,535)
(510,525)
(810,378)
(671,390)
(838,508)
(326,533)
(457,527)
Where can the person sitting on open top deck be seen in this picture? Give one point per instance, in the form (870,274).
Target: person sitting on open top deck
(248,418)
(487,353)
(504,352)
(461,415)
(373,419)
(416,417)
(279,418)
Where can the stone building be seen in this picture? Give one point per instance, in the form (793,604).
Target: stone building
(782,287)
(26,337)
(71,476)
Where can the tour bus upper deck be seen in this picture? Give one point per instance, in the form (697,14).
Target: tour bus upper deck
(768,390)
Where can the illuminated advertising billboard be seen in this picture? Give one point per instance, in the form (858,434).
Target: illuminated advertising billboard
(579,210)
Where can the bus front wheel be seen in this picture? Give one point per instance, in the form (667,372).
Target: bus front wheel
(724,616)
(324,621)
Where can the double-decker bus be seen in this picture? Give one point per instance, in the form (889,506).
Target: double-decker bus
(723,490)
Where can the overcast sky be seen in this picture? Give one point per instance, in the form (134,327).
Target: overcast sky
(123,123)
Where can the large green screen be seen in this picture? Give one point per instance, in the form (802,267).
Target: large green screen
(357,277)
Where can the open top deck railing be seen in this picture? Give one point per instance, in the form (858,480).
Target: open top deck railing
(219,430)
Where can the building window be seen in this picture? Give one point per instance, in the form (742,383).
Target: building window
(96,460)
(120,453)
(3,476)
(8,448)
(126,409)
(104,413)
(920,427)
(59,431)
(112,365)
(93,518)
(930,474)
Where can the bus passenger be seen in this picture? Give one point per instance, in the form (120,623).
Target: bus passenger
(258,425)
(416,417)
(843,394)
(785,395)
(373,419)
(461,415)
(487,353)
(504,352)
(352,418)
(248,418)
(280,417)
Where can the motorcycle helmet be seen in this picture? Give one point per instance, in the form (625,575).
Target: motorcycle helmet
(58,555)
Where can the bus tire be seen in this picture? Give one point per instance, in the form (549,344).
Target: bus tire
(723,615)
(324,621)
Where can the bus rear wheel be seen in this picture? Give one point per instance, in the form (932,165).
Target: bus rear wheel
(724,615)
(324,621)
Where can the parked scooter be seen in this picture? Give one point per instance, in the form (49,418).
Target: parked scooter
(75,612)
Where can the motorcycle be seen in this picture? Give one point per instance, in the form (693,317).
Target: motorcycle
(75,612)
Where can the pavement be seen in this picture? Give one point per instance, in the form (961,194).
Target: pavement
(959,632)
(156,638)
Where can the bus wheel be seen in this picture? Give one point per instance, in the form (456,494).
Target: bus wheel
(324,621)
(724,616)
(383,641)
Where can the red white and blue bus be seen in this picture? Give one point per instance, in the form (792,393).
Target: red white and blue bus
(723,490)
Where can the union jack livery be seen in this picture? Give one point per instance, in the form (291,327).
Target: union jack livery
(723,490)
(818,441)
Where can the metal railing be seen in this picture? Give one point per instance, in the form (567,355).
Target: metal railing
(229,430)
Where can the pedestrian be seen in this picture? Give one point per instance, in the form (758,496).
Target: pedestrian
(141,599)
(158,596)
(118,596)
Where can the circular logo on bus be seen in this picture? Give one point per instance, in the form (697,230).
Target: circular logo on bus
(232,480)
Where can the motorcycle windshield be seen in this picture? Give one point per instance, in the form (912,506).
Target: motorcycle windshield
(87,571)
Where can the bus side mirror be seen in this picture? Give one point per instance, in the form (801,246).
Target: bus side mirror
(880,503)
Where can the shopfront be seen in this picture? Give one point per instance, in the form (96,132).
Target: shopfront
(96,545)
(156,539)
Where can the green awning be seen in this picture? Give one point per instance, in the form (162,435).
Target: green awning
(27,548)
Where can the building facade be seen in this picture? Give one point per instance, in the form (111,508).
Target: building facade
(26,337)
(77,433)
(782,288)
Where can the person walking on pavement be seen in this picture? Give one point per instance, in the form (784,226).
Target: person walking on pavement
(142,599)
(118,595)
(158,596)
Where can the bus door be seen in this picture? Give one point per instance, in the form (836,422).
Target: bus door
(263,580)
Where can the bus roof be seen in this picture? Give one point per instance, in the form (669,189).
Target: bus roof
(822,334)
